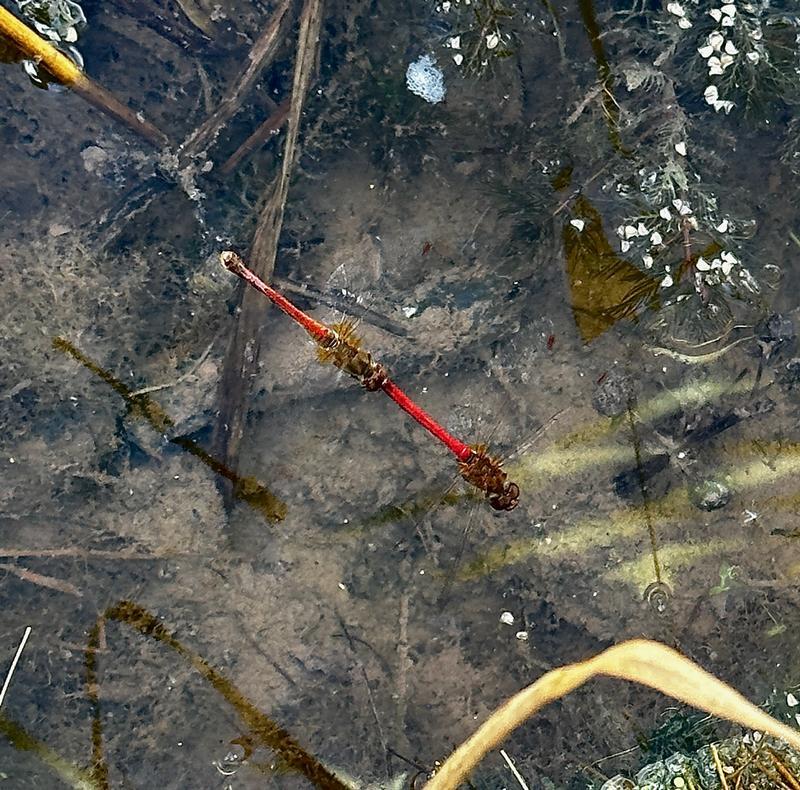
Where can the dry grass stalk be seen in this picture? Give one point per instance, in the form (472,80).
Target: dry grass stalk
(241,359)
(642,661)
(65,72)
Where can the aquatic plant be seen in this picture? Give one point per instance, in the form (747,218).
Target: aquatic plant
(481,35)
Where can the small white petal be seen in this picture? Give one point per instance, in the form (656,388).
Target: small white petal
(665,213)
(703,265)
(684,210)
(716,40)
(707,51)
(578,224)
(711,94)
(454,42)
(716,13)
(624,245)
(621,231)
(753,57)
(684,23)
(678,203)
(727,21)
(647,260)
(458,58)
(681,148)
(715,70)
(507,618)
(71,35)
(655,238)
(667,281)
(492,40)
(791,700)
(641,230)
(729,9)
(446,6)
(723,226)
(725,60)
(730,48)
(729,257)
(675,8)
(726,268)
(630,231)
(757,35)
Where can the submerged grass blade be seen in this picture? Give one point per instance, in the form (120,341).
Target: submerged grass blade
(641,661)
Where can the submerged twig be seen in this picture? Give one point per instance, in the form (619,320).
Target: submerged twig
(258,137)
(261,53)
(50,582)
(241,360)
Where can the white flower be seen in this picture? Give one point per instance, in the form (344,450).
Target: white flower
(791,700)
(727,21)
(723,226)
(753,57)
(727,266)
(716,40)
(684,23)
(667,281)
(647,260)
(458,58)
(578,224)
(665,213)
(707,51)
(641,230)
(716,14)
(681,148)
(724,105)
(492,40)
(630,231)
(454,42)
(729,9)
(446,6)
(675,8)
(703,265)
(714,66)
(711,94)
(624,245)
(725,60)
(621,231)
(656,238)
(730,48)
(507,618)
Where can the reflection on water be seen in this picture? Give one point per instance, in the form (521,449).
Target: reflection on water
(581,257)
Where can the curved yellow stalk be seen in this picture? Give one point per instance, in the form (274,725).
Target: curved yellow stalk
(641,661)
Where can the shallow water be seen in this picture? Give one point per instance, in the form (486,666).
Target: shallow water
(330,581)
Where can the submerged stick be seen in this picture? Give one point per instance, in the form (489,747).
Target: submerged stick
(241,360)
(260,54)
(258,137)
(66,73)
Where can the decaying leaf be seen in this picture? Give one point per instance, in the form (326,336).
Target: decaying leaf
(604,288)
